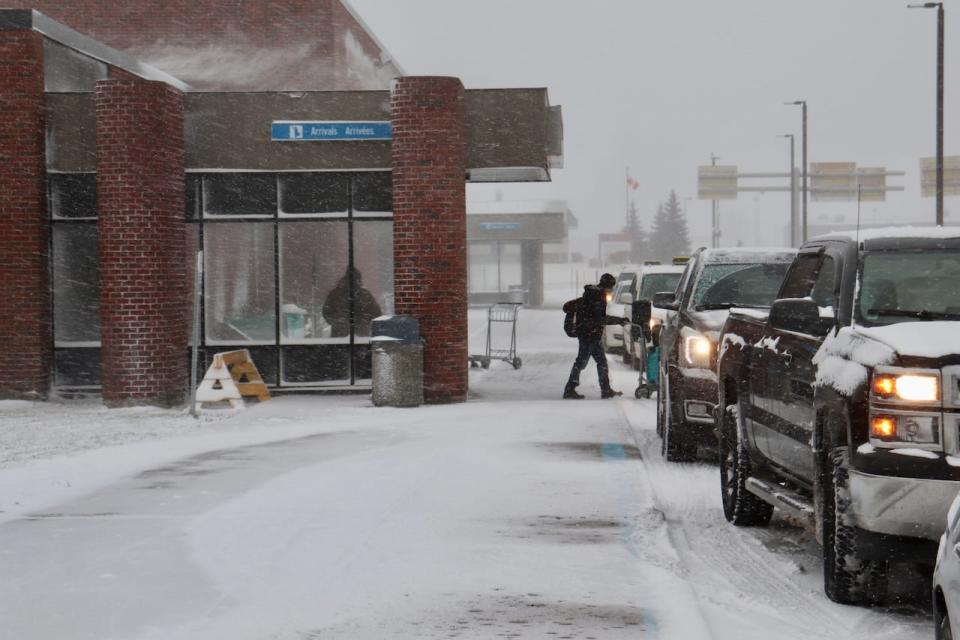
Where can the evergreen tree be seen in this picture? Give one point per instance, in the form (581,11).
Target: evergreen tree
(638,237)
(669,236)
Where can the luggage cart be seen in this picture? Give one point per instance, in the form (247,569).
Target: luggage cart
(501,312)
(649,372)
(647,381)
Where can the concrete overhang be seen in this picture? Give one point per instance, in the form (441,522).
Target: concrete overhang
(27,19)
(517,220)
(511,133)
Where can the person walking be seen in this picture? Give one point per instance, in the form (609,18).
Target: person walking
(591,318)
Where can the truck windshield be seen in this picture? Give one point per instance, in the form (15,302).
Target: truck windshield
(904,286)
(657,283)
(722,286)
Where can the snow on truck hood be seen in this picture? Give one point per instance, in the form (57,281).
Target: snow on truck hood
(844,359)
(710,321)
(921,339)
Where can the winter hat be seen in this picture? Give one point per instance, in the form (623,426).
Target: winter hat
(607,281)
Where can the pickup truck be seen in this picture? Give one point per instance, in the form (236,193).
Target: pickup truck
(841,406)
(714,281)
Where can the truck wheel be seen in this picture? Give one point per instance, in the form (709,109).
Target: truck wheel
(941,617)
(661,399)
(847,578)
(740,507)
(673,445)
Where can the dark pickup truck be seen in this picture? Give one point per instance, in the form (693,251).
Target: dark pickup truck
(714,281)
(842,407)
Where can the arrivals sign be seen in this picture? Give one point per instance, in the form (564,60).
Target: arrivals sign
(499,226)
(304,131)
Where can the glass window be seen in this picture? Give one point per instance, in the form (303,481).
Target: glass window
(373,259)
(239,283)
(314,194)
(191,185)
(722,286)
(824,290)
(192,239)
(76,367)
(76,284)
(800,279)
(73,196)
(658,283)
(240,195)
(373,194)
(318,364)
(313,262)
(900,286)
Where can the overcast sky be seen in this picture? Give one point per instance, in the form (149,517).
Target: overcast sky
(659,86)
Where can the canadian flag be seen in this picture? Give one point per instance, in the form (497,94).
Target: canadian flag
(633,184)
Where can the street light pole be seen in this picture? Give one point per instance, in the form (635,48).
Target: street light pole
(803,104)
(793,192)
(715,209)
(940,20)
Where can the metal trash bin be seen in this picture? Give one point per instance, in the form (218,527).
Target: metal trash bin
(397,353)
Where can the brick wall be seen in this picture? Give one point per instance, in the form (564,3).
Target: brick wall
(226,45)
(429,209)
(25,338)
(140,193)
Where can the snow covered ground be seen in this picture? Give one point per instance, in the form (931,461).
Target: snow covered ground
(514,515)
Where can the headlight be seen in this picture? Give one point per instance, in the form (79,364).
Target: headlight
(653,323)
(905,429)
(907,387)
(697,349)
(609,297)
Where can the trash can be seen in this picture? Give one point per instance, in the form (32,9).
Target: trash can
(397,353)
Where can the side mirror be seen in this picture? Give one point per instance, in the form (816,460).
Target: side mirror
(626,298)
(666,300)
(801,315)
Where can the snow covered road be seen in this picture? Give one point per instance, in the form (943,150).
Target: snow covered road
(514,515)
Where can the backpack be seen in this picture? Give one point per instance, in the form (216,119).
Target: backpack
(570,317)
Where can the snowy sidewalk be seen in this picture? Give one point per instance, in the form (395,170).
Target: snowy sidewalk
(514,515)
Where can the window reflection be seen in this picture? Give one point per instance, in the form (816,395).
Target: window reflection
(313,257)
(239,283)
(76,284)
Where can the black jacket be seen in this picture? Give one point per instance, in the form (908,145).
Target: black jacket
(591,313)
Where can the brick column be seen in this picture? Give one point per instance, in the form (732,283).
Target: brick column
(430,226)
(140,195)
(26,344)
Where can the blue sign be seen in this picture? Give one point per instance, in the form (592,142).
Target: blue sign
(298,131)
(499,226)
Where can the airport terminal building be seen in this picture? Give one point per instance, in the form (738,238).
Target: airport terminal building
(319,198)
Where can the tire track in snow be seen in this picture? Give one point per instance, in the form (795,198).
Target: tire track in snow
(726,550)
(704,630)
(753,577)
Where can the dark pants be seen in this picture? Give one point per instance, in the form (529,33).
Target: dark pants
(588,349)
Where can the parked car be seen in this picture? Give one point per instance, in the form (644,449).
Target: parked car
(842,406)
(715,280)
(946,578)
(650,279)
(612,338)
